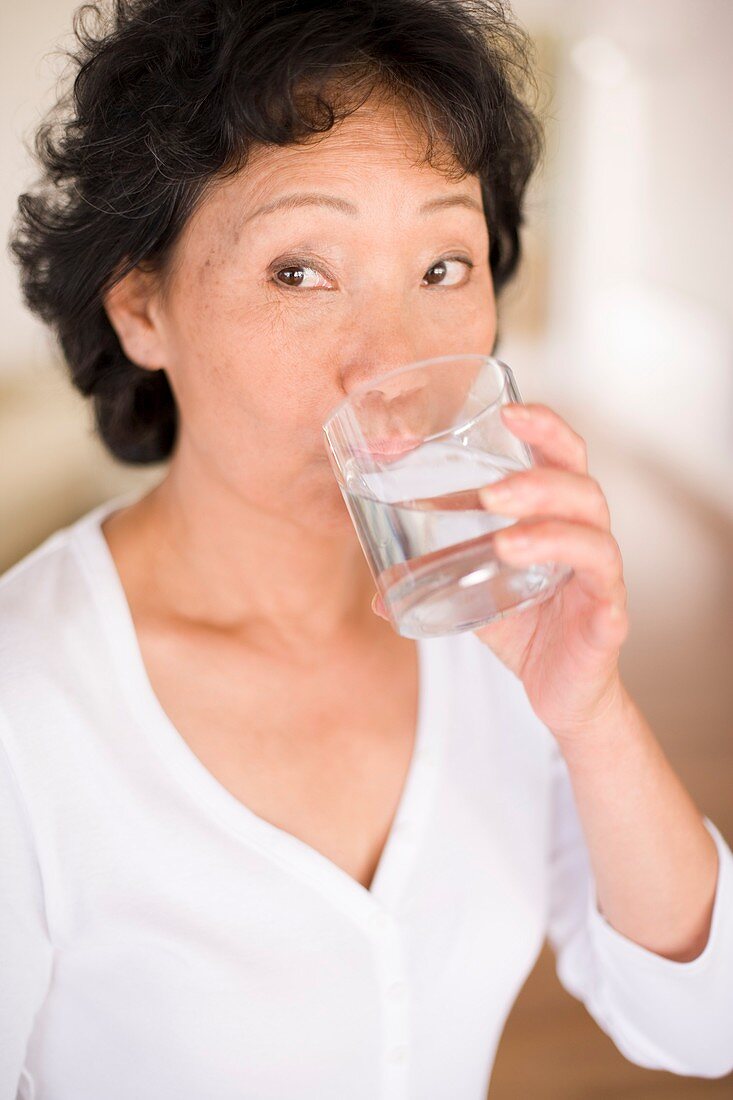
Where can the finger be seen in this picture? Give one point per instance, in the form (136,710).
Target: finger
(594,555)
(548,491)
(545,430)
(609,623)
(378,606)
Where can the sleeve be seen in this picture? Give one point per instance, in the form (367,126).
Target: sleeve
(25,949)
(661,1014)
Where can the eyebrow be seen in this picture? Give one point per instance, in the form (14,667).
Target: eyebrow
(298,199)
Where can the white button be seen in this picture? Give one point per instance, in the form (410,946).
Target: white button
(379,920)
(398,1054)
(397,990)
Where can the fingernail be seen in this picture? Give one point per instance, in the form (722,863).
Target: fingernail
(378,606)
(517,412)
(509,540)
(496,494)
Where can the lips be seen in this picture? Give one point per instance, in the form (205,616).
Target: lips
(387,448)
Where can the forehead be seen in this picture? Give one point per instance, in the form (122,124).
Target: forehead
(374,160)
(378,145)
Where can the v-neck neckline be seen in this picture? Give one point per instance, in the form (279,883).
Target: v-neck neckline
(407,832)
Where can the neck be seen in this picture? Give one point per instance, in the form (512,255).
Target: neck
(289,575)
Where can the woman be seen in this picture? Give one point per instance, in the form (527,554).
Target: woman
(257,844)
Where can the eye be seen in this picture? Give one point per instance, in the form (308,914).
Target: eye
(295,274)
(443,267)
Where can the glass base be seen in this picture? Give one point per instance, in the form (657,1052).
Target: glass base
(469,591)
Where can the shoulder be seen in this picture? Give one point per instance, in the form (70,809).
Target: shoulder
(490,698)
(49,629)
(37,595)
(482,674)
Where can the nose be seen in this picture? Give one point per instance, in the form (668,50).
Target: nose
(386,333)
(389,412)
(380,358)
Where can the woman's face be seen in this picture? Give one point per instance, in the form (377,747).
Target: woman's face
(269,317)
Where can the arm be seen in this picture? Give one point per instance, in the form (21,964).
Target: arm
(661,1013)
(25,949)
(654,862)
(655,968)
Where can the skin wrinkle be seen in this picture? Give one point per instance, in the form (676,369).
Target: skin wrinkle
(296,201)
(248,531)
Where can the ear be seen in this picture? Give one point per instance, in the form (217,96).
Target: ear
(132,308)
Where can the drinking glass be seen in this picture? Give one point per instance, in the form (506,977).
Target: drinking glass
(410,448)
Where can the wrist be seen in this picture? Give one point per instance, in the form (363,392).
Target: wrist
(616,717)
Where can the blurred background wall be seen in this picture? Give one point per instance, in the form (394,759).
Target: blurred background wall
(621,319)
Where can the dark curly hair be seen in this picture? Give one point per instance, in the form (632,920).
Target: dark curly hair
(170,95)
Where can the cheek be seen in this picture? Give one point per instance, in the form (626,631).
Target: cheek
(247,367)
(244,358)
(471,316)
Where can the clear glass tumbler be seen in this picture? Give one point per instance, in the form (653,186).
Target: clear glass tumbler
(410,449)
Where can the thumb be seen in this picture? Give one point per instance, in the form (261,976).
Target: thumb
(378,606)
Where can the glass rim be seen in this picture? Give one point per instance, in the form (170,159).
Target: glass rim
(364,386)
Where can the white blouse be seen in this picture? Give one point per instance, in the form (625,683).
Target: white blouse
(160,941)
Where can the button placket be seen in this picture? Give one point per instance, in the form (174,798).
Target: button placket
(379,921)
(392,976)
(426,757)
(404,832)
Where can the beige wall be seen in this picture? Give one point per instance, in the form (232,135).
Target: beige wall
(31,33)
(637,211)
(623,309)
